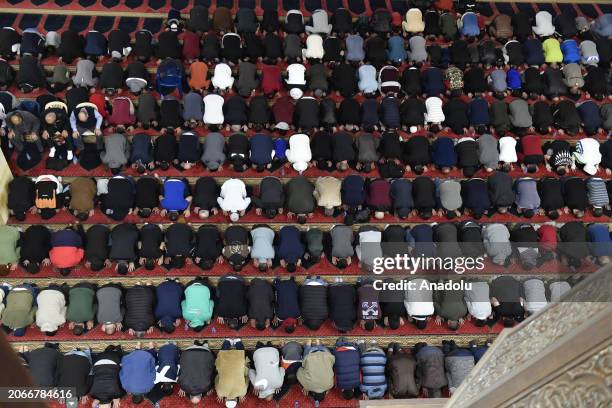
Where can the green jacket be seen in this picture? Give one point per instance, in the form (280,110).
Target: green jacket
(317,371)
(20,310)
(197,306)
(9,249)
(81,307)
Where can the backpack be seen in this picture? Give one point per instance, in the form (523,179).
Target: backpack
(170,76)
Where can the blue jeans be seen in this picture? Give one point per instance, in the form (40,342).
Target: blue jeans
(312,349)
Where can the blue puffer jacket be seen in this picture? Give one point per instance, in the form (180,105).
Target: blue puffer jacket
(373,381)
(571,52)
(470,27)
(396,50)
(346,366)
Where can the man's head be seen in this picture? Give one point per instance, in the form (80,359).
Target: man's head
(369,325)
(270,212)
(122,268)
(4,270)
(78,329)
(480,322)
(289,325)
(291,267)
(453,324)
(173,215)
(234,216)
(597,212)
(528,213)
(140,169)
(508,322)
(83,115)
(394,322)
(178,261)
(82,216)
(47,213)
(195,399)
(20,215)
(164,165)
(109,328)
(32,267)
(238,163)
(317,396)
(379,215)
(64,271)
(301,219)
(348,394)
(262,265)
(233,323)
(96,264)
(418,169)
(342,263)
(420,324)
(50,118)
(206,264)
(167,326)
(425,214)
(260,325)
(167,388)
(144,212)
(149,264)
(553,214)
(137,398)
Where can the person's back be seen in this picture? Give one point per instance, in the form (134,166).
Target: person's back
(316,374)
(401,369)
(198,305)
(231,381)
(267,375)
(430,360)
(137,372)
(197,369)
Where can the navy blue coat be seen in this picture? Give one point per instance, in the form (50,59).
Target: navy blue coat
(169,295)
(290,247)
(353,190)
(346,368)
(261,148)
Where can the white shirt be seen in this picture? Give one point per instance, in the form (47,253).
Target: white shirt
(434,110)
(507,150)
(222,77)
(314,47)
(369,246)
(587,153)
(233,197)
(51,312)
(544,26)
(213,109)
(299,153)
(296,74)
(418,302)
(478,301)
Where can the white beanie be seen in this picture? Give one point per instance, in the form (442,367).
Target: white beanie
(300,166)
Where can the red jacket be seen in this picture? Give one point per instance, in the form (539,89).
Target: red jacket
(547,237)
(191,45)
(271,79)
(531,145)
(379,195)
(66,257)
(99,100)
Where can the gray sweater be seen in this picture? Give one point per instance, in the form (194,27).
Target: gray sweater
(488,153)
(213,155)
(367,146)
(116,150)
(110,309)
(342,241)
(457,368)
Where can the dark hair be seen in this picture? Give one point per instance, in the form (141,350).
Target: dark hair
(262,267)
(198,328)
(47,213)
(453,324)
(508,322)
(168,328)
(450,214)
(140,169)
(317,396)
(553,214)
(96,264)
(233,323)
(480,322)
(237,267)
(32,267)
(597,212)
(418,169)
(20,215)
(82,216)
(290,329)
(144,212)
(149,264)
(164,165)
(291,267)
(51,333)
(78,329)
(532,168)
(260,168)
(301,219)
(469,171)
(173,216)
(425,214)
(561,171)
(394,322)
(122,268)
(260,325)
(342,263)
(167,388)
(528,213)
(312,324)
(115,170)
(348,394)
(137,398)
(206,264)
(64,271)
(369,325)
(178,261)
(420,324)
(271,212)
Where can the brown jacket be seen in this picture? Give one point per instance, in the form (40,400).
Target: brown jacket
(401,374)
(222,20)
(82,194)
(502,27)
